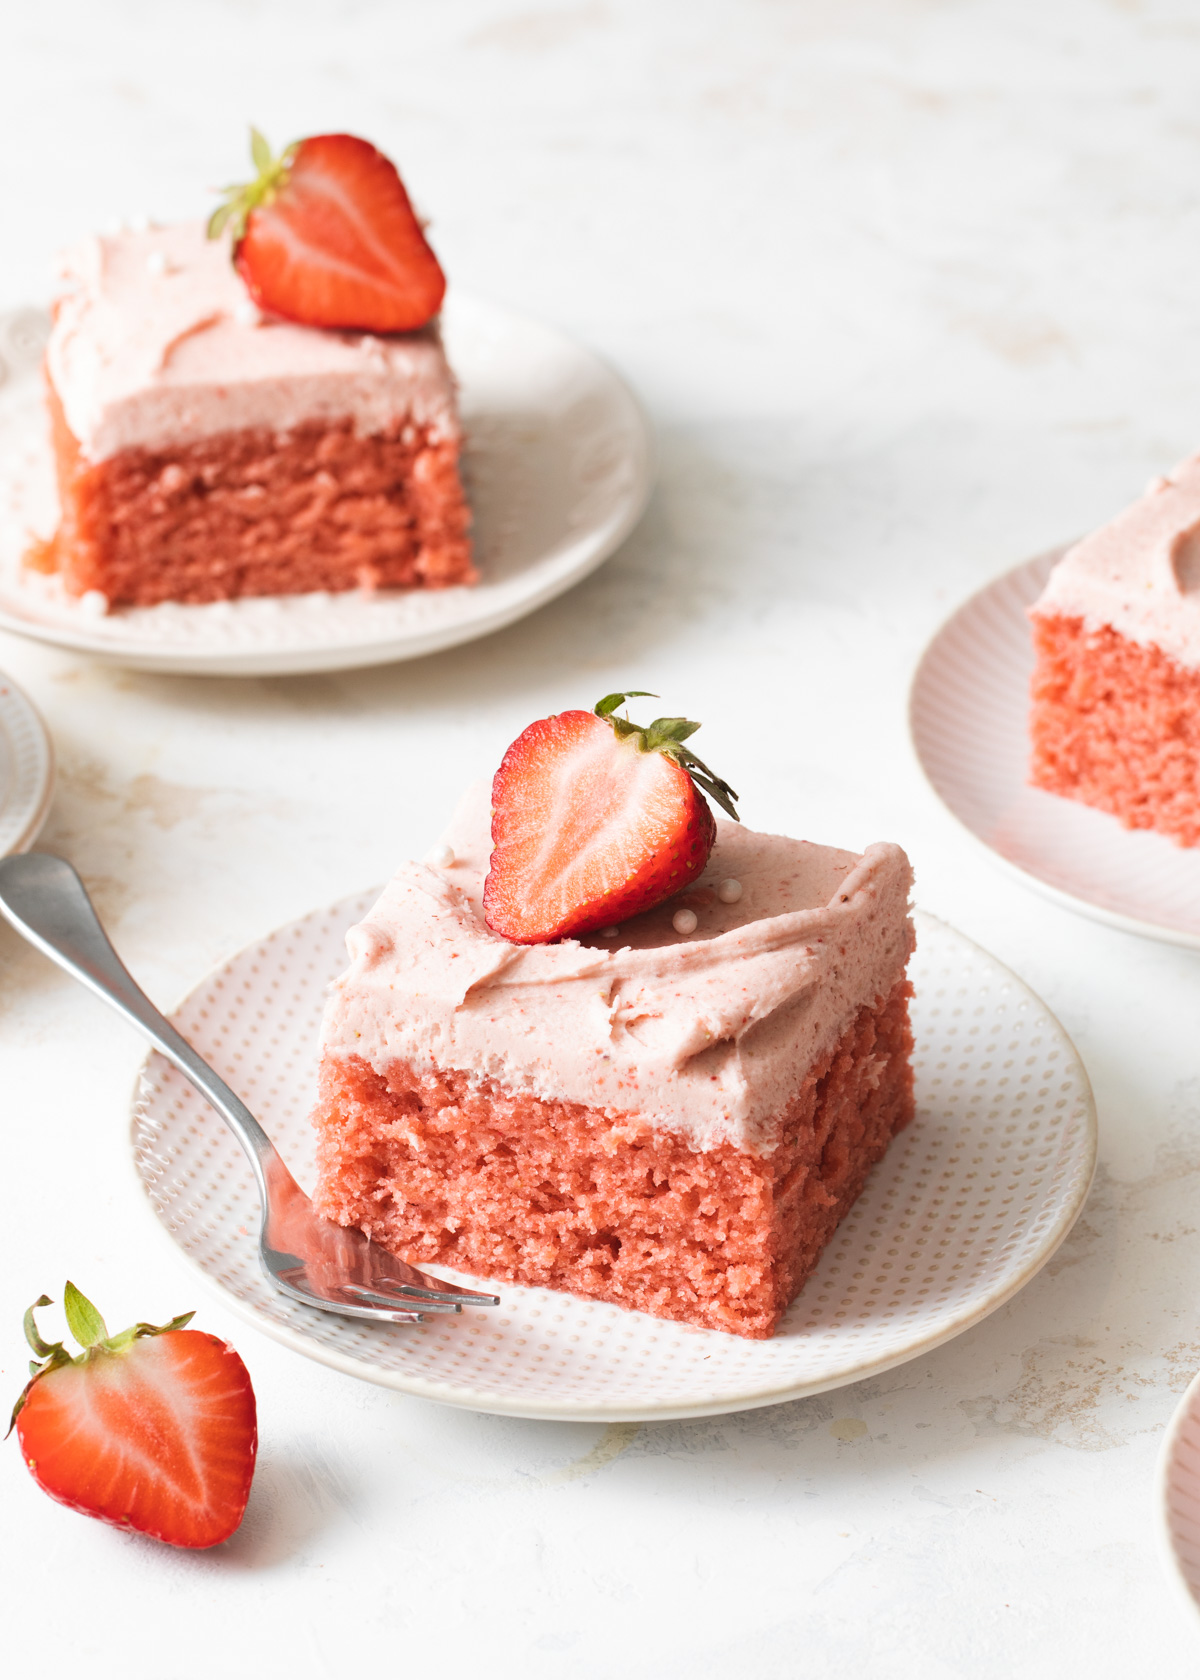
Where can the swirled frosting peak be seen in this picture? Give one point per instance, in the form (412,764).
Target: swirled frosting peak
(1140,573)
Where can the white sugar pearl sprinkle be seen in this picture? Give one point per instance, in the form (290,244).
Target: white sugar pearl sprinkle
(685,921)
(440,857)
(156,263)
(729,891)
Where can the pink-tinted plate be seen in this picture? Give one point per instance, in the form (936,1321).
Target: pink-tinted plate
(968,713)
(1178,1498)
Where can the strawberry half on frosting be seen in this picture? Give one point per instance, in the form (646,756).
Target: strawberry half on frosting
(325,235)
(595,819)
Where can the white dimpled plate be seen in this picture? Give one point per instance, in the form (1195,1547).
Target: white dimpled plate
(26,769)
(966,1206)
(557,467)
(969,713)
(1178,1497)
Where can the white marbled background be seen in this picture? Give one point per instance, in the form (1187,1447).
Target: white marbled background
(909,288)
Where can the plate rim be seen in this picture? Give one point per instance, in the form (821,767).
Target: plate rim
(1168,1556)
(1058,895)
(40,808)
(470,1398)
(576,559)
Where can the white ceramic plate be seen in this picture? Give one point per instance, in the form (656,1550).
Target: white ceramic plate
(968,712)
(557,466)
(1178,1497)
(26,769)
(968,1204)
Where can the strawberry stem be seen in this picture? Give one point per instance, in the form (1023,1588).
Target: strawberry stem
(245,196)
(41,1348)
(667,735)
(88,1329)
(83,1321)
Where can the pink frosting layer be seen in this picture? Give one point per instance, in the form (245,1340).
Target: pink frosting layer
(708,1033)
(157,342)
(1141,572)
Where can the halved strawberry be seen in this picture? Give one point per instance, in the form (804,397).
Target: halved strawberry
(595,819)
(154,1429)
(326,236)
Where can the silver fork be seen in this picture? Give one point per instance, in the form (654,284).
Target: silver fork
(309,1258)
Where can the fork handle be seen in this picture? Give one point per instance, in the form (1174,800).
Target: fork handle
(44,899)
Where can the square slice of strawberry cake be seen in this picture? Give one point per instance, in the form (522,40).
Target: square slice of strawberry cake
(207,450)
(673,1115)
(1115,717)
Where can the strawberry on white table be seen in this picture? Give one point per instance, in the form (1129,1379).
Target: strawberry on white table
(154,1429)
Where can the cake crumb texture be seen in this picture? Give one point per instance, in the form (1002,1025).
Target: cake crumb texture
(1116,724)
(445,1171)
(253,512)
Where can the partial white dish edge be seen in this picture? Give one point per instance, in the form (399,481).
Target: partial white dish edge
(570,393)
(1187,1597)
(38,795)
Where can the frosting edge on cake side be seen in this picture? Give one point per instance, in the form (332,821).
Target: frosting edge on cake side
(1140,573)
(156,342)
(707,1034)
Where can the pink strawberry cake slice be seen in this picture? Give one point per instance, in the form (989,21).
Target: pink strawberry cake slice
(1115,718)
(207,451)
(672,1120)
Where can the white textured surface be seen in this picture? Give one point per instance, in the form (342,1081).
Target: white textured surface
(557,469)
(26,769)
(908,288)
(969,1202)
(969,711)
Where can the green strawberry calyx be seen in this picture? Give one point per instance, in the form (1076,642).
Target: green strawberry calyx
(240,199)
(89,1330)
(667,735)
